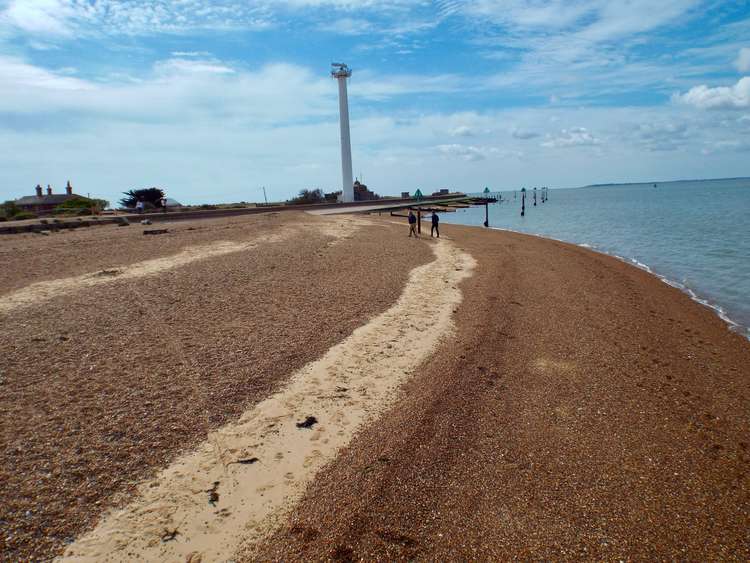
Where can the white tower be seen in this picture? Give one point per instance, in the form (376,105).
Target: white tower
(341,72)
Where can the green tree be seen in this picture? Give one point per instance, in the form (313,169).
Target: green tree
(309,196)
(147,195)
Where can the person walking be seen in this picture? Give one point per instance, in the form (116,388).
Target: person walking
(412,224)
(163,202)
(434,229)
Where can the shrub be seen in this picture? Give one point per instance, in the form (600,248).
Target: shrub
(77,203)
(21,215)
(9,209)
(308,196)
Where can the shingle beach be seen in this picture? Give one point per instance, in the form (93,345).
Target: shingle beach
(325,388)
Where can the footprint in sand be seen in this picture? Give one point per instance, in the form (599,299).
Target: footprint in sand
(312,458)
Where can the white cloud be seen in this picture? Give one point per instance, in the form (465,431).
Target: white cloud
(524,134)
(575,49)
(577,136)
(726,146)
(69,18)
(554,14)
(202,54)
(347,26)
(720,97)
(743,60)
(234,132)
(173,89)
(475,153)
(191,66)
(658,135)
(463,131)
(40,16)
(466,152)
(19,79)
(594,20)
(189,119)
(377,87)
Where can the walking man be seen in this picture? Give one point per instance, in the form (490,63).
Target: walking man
(412,224)
(434,228)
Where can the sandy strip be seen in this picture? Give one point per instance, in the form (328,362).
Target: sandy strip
(339,229)
(46,290)
(241,483)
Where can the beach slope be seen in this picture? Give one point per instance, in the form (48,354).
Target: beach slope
(584,410)
(307,388)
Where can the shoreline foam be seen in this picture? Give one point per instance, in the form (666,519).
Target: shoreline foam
(717,309)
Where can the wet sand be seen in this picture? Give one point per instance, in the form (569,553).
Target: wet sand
(577,407)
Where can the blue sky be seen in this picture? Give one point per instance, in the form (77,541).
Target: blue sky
(213,99)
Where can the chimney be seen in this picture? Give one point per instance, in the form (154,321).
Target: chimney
(69,188)
(49,189)
(38,190)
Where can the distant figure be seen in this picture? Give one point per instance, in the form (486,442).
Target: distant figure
(163,205)
(139,206)
(412,224)
(434,229)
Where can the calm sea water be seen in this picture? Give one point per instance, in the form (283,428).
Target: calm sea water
(695,235)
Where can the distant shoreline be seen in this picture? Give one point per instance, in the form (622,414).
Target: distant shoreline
(660,182)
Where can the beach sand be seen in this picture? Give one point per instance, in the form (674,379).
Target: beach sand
(103,384)
(557,403)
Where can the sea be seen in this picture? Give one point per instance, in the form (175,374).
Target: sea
(693,235)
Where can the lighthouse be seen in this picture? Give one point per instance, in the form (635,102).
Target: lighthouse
(341,72)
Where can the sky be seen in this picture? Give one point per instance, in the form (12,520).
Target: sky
(214,100)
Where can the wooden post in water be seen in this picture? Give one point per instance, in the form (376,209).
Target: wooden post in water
(534,197)
(419,220)
(486,207)
(523,202)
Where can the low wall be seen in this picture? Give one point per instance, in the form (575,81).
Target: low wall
(35,225)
